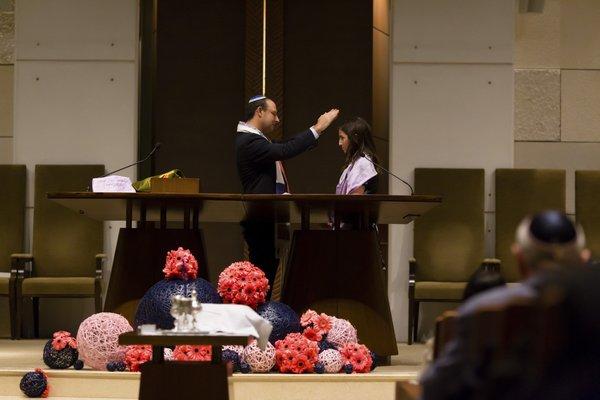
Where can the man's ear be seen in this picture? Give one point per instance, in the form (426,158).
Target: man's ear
(586,254)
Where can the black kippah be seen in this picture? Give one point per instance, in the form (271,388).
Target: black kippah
(552,227)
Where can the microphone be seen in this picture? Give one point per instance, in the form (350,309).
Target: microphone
(412,192)
(154,150)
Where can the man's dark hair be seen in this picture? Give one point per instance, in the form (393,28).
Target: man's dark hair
(252,106)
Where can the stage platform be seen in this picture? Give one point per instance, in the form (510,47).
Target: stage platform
(18,357)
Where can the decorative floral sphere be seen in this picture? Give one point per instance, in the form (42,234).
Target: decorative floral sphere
(98,339)
(282,317)
(192,353)
(358,355)
(35,384)
(296,354)
(60,352)
(155,306)
(136,355)
(332,361)
(341,332)
(259,360)
(243,283)
(180,264)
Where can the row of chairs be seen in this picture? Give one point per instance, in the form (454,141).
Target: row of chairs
(449,241)
(66,259)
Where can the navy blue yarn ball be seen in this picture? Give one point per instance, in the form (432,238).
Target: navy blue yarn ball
(282,317)
(326,345)
(155,306)
(233,356)
(59,359)
(348,368)
(375,359)
(319,367)
(78,364)
(120,366)
(244,367)
(33,384)
(110,366)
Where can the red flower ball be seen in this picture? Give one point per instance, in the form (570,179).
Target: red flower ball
(180,264)
(358,355)
(296,354)
(243,283)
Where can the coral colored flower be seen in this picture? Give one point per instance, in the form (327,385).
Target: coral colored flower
(136,355)
(62,339)
(308,318)
(180,264)
(192,353)
(313,334)
(323,323)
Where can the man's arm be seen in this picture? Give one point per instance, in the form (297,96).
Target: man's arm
(260,150)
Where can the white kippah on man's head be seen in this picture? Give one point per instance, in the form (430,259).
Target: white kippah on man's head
(256,98)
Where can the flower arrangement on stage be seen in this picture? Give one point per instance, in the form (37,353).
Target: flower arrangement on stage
(315,325)
(192,353)
(60,352)
(181,264)
(136,355)
(296,354)
(243,283)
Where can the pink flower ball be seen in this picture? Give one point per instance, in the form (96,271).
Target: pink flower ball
(341,332)
(332,360)
(259,360)
(98,339)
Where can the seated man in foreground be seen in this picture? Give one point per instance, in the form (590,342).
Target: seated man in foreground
(547,241)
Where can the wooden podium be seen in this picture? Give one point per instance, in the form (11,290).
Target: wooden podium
(338,271)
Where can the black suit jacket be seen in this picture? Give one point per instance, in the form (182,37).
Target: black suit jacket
(256,158)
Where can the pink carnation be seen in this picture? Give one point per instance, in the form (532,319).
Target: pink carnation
(180,264)
(243,283)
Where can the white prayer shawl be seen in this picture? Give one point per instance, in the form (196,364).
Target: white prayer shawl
(245,128)
(355,175)
(236,319)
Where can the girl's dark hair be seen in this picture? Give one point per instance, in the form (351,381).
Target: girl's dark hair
(361,140)
(483,279)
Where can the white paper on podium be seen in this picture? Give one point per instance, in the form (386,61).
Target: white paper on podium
(234,319)
(112,184)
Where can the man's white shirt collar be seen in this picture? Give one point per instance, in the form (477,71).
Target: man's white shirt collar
(243,127)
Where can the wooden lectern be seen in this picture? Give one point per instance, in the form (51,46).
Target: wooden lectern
(338,271)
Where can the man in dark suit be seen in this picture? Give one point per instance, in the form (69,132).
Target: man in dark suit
(260,168)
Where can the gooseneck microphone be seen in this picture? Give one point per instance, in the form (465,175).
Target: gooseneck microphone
(152,152)
(412,192)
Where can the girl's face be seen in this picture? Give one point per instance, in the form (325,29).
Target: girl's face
(343,141)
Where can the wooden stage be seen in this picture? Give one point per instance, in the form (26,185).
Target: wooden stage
(18,357)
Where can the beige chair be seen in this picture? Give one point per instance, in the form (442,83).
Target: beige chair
(12,224)
(587,208)
(522,192)
(66,260)
(448,240)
